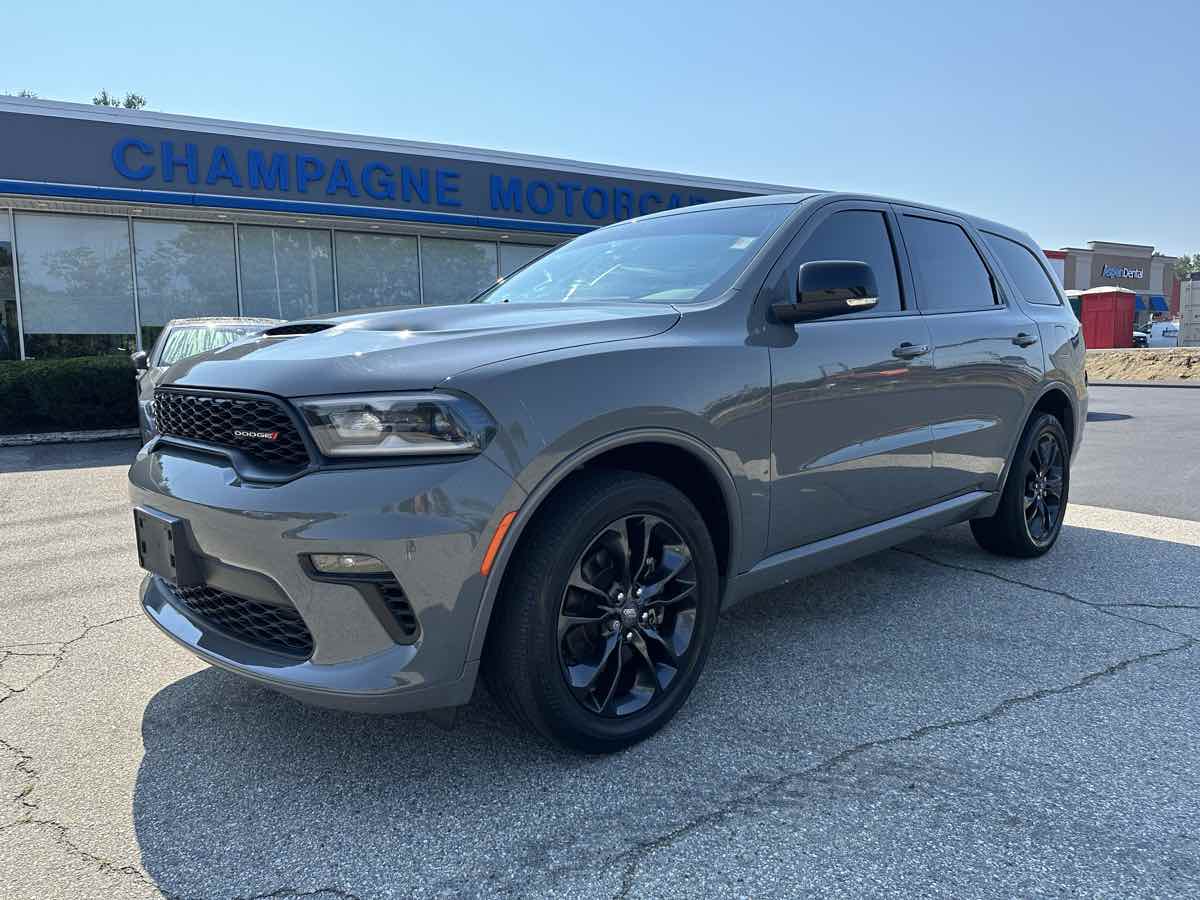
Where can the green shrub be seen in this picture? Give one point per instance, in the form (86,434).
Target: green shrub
(78,394)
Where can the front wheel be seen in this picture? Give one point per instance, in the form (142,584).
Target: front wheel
(1030,515)
(607,613)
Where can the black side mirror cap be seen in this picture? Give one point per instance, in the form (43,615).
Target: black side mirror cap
(141,362)
(830,288)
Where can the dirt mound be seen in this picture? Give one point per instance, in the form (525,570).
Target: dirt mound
(1144,365)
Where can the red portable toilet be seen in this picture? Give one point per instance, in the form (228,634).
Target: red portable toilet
(1107,317)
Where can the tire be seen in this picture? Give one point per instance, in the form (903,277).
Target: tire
(1030,515)
(594,689)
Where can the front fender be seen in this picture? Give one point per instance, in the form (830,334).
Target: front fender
(562,471)
(565,408)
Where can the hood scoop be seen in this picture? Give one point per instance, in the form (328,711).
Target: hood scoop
(298,328)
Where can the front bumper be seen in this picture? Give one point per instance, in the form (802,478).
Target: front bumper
(430,523)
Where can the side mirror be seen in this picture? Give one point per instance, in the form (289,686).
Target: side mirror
(830,288)
(141,362)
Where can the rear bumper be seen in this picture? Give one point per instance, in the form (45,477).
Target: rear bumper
(429,523)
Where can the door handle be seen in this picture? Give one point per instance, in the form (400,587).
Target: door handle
(910,351)
(1024,339)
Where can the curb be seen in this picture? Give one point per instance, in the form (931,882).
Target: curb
(1157,384)
(67,437)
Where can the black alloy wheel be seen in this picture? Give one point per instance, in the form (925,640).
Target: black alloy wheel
(1043,497)
(1029,516)
(607,612)
(628,616)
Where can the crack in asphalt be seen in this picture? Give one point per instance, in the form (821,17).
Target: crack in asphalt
(62,835)
(25,765)
(25,760)
(1102,608)
(747,801)
(636,855)
(292,892)
(1150,605)
(59,656)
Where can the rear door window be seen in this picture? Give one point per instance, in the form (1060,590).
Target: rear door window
(1024,269)
(950,274)
(858,235)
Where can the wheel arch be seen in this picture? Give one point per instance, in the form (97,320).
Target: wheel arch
(1055,398)
(671,455)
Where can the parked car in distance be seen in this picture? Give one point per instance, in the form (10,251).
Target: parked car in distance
(1162,334)
(179,339)
(1141,338)
(559,485)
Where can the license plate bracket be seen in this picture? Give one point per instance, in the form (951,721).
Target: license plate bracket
(163,547)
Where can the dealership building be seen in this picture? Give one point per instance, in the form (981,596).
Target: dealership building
(114,221)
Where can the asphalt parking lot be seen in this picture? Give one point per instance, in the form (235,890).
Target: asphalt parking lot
(928,721)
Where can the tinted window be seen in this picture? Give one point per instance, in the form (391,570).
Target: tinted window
(455,271)
(10,347)
(287,273)
(184,270)
(76,284)
(861,236)
(376,270)
(513,256)
(1023,267)
(673,258)
(949,272)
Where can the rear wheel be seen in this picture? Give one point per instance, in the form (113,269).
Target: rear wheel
(1030,515)
(607,615)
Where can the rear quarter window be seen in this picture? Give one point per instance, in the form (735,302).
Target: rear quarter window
(951,275)
(1024,269)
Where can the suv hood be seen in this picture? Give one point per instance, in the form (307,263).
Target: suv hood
(411,348)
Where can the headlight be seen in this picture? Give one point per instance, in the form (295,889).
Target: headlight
(397,424)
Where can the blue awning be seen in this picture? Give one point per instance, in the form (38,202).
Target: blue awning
(1138,302)
(1158,303)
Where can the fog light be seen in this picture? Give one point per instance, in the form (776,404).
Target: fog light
(347,564)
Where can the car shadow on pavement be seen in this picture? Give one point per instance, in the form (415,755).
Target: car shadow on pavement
(90,455)
(242,791)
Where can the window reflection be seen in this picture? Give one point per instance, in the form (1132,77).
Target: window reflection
(513,256)
(287,273)
(10,347)
(455,271)
(184,270)
(377,270)
(76,284)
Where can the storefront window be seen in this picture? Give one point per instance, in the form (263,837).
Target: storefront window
(184,270)
(376,270)
(513,256)
(455,271)
(76,284)
(10,347)
(287,273)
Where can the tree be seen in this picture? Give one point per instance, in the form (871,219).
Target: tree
(1185,265)
(131,101)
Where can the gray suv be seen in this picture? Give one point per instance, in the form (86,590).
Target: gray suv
(559,485)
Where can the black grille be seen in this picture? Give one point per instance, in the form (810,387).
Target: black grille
(398,605)
(214,419)
(277,628)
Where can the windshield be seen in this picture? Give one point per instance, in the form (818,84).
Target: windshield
(688,256)
(188,340)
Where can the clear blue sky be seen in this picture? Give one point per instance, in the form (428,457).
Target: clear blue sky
(1074,120)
